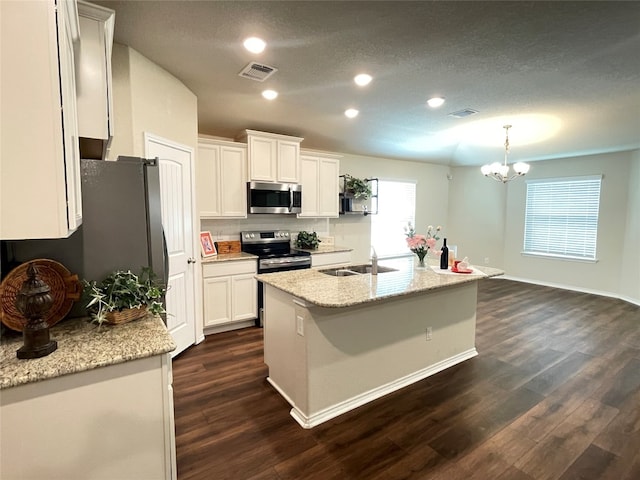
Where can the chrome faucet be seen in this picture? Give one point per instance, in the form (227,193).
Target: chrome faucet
(374,262)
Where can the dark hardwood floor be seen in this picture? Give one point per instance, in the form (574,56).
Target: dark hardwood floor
(553,394)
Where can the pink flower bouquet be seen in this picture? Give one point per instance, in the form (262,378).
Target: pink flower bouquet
(420,244)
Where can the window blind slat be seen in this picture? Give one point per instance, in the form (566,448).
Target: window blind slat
(396,208)
(561,217)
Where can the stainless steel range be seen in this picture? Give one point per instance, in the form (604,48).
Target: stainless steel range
(273,248)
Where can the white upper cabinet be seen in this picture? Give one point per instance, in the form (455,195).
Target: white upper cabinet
(221,177)
(273,157)
(94,82)
(288,170)
(319,179)
(40,193)
(263,153)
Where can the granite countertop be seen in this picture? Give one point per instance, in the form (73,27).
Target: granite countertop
(84,346)
(328,291)
(323,249)
(229,257)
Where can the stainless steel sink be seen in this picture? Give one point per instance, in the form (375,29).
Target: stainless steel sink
(354,270)
(338,272)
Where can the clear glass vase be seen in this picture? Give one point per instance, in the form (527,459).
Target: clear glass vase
(420,265)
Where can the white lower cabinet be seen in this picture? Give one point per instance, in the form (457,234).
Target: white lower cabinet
(115,422)
(230,292)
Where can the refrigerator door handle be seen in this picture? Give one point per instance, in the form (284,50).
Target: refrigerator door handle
(165,252)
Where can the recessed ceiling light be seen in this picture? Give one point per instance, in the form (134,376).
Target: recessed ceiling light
(351,112)
(435,102)
(270,94)
(254,44)
(362,79)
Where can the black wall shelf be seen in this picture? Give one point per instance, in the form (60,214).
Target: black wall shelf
(349,205)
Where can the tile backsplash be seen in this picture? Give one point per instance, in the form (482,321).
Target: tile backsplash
(230,229)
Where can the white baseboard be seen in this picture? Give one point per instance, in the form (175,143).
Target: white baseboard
(634,301)
(366,397)
(572,288)
(228,327)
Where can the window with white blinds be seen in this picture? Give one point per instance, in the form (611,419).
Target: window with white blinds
(561,217)
(396,208)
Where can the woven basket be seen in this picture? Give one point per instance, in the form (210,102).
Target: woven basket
(126,315)
(65,289)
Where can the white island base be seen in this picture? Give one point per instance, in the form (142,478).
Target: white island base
(327,361)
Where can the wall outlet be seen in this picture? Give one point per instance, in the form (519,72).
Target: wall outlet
(486,260)
(300,325)
(429,333)
(327,240)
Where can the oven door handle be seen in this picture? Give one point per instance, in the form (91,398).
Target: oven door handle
(267,264)
(287,262)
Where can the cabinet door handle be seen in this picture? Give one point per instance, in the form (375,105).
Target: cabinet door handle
(191,260)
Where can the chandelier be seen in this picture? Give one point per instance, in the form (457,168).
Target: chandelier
(500,172)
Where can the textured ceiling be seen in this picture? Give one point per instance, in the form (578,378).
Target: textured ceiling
(566,75)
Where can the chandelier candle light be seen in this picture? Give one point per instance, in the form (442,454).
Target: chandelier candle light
(420,244)
(500,172)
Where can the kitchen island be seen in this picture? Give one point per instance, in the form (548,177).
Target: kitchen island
(333,343)
(100,406)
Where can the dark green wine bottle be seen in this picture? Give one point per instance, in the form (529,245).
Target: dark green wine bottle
(444,256)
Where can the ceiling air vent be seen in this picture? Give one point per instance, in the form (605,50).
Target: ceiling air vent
(463,113)
(257,72)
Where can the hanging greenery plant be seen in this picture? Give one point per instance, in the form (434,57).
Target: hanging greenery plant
(356,187)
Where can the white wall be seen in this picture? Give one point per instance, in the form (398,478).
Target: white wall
(122,142)
(147,98)
(476,217)
(432,199)
(630,269)
(487,219)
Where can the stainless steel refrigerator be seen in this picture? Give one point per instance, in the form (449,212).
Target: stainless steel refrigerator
(122,223)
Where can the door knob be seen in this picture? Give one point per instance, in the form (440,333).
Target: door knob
(191,260)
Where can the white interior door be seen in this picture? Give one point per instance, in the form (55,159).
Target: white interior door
(176,193)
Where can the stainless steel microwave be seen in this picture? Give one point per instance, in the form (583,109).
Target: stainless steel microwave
(263,197)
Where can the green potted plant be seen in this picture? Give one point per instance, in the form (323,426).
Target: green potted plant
(124,296)
(356,187)
(306,240)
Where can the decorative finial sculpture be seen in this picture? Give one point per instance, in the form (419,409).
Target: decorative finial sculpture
(33,301)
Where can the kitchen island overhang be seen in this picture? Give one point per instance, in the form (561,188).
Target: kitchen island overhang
(333,344)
